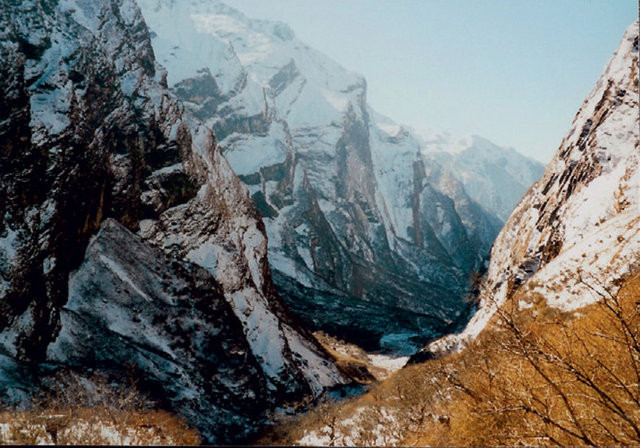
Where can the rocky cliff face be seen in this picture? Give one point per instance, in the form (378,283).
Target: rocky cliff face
(131,304)
(357,218)
(177,280)
(579,226)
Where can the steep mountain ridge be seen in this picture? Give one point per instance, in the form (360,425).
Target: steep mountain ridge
(579,225)
(91,132)
(343,226)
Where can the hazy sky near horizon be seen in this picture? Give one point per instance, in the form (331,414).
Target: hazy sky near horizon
(512,71)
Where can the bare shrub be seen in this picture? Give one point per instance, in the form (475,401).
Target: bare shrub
(550,380)
(93,410)
(535,377)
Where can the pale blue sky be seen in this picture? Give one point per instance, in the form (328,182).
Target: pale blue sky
(513,71)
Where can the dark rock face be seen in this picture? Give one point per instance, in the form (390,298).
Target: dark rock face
(89,131)
(131,305)
(365,323)
(57,183)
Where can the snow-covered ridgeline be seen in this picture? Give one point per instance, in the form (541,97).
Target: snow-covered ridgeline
(580,221)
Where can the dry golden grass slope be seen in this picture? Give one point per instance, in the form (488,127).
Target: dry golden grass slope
(93,410)
(536,376)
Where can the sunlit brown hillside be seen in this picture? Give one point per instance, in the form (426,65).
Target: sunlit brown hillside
(94,411)
(534,377)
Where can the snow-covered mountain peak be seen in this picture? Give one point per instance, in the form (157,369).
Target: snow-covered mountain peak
(209,33)
(433,141)
(389,126)
(612,86)
(472,145)
(354,211)
(494,176)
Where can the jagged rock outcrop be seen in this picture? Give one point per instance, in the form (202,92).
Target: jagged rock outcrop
(89,131)
(356,216)
(579,226)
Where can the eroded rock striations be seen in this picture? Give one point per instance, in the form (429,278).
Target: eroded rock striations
(175,282)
